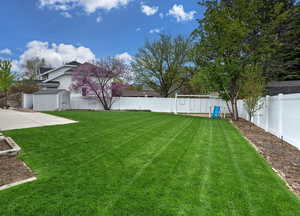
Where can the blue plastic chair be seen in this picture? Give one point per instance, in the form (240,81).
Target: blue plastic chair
(216,112)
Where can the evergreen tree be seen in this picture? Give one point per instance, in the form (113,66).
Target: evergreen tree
(285,59)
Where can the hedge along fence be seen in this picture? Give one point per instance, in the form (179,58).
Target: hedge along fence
(280,115)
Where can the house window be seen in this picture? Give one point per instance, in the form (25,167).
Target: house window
(83,91)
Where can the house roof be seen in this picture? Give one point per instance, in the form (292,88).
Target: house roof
(44,69)
(69,69)
(48,91)
(70,65)
(75,63)
(283,87)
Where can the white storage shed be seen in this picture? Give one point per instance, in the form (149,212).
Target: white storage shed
(51,100)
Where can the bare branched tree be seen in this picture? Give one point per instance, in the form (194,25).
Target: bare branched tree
(32,67)
(160,65)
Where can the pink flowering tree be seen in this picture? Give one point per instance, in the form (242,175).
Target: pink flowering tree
(101,80)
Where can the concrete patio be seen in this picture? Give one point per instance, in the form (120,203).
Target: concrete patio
(12,119)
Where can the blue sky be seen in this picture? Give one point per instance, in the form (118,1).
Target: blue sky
(100,27)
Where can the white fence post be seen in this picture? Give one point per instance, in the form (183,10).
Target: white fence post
(267,104)
(258,116)
(280,115)
(175,109)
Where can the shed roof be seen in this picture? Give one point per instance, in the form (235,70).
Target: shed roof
(49,91)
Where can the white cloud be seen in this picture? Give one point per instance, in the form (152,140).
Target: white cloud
(149,11)
(126,57)
(138,29)
(16,67)
(99,19)
(161,15)
(66,14)
(156,30)
(90,6)
(55,55)
(6,52)
(178,12)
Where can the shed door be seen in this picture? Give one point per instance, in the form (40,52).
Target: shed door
(65,101)
(45,102)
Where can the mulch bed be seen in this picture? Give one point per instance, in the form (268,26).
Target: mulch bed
(4,146)
(282,156)
(13,170)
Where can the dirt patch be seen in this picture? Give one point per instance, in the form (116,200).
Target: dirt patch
(13,170)
(282,156)
(196,114)
(4,145)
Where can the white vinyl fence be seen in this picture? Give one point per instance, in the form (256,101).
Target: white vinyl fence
(182,105)
(280,115)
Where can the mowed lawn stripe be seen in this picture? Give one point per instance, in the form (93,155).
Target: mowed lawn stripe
(166,142)
(128,172)
(181,191)
(269,187)
(83,139)
(120,138)
(70,140)
(144,164)
(231,182)
(61,175)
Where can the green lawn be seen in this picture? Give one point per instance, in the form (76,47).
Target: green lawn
(144,164)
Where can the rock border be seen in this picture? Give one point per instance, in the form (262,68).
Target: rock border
(15,149)
(4,187)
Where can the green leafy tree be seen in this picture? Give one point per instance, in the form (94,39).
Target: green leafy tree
(6,78)
(160,64)
(233,35)
(221,52)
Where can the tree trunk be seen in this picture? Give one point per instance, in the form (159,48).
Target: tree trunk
(165,94)
(6,100)
(250,117)
(235,115)
(236,108)
(105,105)
(228,107)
